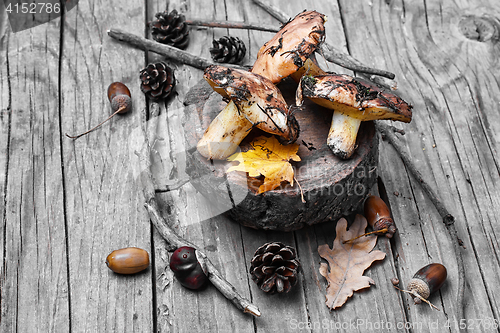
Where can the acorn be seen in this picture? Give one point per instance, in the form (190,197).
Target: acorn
(426,281)
(121,102)
(379,218)
(129,260)
(187,269)
(119,97)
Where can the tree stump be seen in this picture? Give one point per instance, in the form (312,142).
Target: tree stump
(331,187)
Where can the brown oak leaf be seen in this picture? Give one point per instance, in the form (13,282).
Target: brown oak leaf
(348,262)
(268,158)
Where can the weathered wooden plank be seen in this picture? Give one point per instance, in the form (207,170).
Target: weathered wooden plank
(104,207)
(34,275)
(180,309)
(449,81)
(278,310)
(5,117)
(4,108)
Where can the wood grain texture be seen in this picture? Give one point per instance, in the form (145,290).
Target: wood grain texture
(450,81)
(65,205)
(34,281)
(104,210)
(5,120)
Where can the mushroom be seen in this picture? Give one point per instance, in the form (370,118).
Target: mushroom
(291,47)
(353,100)
(254,102)
(286,53)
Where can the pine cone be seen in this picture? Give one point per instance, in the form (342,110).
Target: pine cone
(158,80)
(274,267)
(230,50)
(170,28)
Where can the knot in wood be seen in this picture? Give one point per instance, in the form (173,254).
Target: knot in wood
(448,220)
(481,29)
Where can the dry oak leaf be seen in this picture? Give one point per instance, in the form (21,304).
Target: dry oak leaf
(268,158)
(348,262)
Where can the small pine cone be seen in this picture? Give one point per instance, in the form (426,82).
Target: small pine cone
(170,28)
(157,81)
(229,50)
(274,267)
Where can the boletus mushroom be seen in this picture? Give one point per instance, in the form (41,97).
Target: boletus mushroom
(254,102)
(289,50)
(353,100)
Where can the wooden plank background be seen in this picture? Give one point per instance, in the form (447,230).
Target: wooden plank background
(65,205)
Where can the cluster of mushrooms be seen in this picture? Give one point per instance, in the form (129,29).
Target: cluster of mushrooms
(255,101)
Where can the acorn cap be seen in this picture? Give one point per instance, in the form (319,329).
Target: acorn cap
(385,222)
(257,97)
(420,286)
(354,97)
(287,51)
(121,101)
(428,279)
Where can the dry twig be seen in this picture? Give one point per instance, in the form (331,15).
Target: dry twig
(168,51)
(448,218)
(175,241)
(232,25)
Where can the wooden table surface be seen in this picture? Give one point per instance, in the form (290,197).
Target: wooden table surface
(65,205)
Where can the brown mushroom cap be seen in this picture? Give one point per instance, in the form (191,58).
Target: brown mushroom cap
(355,97)
(291,46)
(257,97)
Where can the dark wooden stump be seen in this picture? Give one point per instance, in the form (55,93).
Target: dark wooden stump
(331,187)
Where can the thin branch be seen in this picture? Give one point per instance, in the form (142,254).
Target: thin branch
(329,52)
(232,25)
(345,60)
(273,11)
(175,241)
(168,51)
(448,219)
(163,49)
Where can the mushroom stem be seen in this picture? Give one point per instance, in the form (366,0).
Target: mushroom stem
(225,133)
(342,136)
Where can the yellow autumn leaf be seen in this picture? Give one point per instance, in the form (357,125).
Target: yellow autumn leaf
(347,262)
(268,158)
